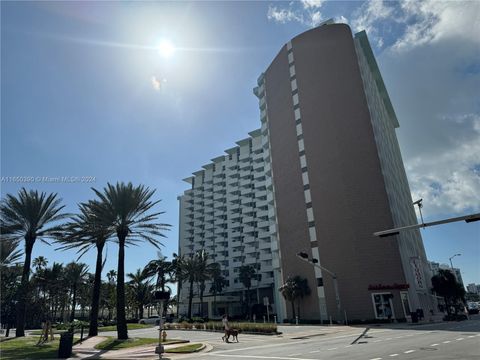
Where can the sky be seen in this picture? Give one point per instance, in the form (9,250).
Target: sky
(87,96)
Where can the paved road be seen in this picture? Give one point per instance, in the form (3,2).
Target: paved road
(452,340)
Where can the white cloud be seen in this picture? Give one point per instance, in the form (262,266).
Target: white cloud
(312,4)
(308,14)
(449,181)
(283,15)
(369,14)
(431,21)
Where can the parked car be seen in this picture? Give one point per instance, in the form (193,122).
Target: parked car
(472,308)
(150,320)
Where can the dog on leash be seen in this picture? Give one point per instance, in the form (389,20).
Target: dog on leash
(230,332)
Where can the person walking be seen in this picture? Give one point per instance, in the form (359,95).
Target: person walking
(226,328)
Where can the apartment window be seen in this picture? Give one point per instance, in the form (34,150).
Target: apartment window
(311,224)
(309,205)
(319,282)
(306,187)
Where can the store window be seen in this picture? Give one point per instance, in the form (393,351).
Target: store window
(405,303)
(382,303)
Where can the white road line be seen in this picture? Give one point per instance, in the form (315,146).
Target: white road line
(314,351)
(332,349)
(459,339)
(376,359)
(393,355)
(296,354)
(377,340)
(470,336)
(348,346)
(408,351)
(434,345)
(257,357)
(446,342)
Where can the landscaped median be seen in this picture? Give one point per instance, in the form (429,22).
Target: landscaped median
(243,327)
(27,348)
(185,349)
(112,343)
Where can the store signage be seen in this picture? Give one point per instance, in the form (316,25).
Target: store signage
(389,287)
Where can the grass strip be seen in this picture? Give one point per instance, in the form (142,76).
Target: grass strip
(185,349)
(112,343)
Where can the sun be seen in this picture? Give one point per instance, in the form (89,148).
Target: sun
(166,48)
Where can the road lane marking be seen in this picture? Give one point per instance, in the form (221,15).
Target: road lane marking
(393,355)
(348,346)
(434,345)
(314,351)
(470,336)
(296,354)
(408,351)
(257,357)
(459,339)
(377,340)
(446,342)
(376,359)
(332,349)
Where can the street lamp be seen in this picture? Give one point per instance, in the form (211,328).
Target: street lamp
(160,296)
(450,258)
(314,262)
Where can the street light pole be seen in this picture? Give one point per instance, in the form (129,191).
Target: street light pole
(451,257)
(314,262)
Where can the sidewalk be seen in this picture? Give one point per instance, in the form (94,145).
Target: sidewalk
(86,350)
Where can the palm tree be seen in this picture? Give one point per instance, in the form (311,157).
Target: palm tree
(203,273)
(40,262)
(86,231)
(187,268)
(141,290)
(218,283)
(25,217)
(124,208)
(9,254)
(75,274)
(165,272)
(293,289)
(246,274)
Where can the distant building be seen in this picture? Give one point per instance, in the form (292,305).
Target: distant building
(321,175)
(473,288)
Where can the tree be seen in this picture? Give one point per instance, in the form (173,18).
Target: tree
(165,271)
(203,273)
(187,267)
(26,217)
(445,284)
(75,274)
(9,254)
(246,274)
(218,283)
(123,208)
(40,263)
(293,289)
(86,231)
(141,290)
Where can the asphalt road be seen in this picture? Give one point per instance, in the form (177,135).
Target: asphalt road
(449,340)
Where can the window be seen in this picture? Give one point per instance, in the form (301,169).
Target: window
(382,304)
(319,282)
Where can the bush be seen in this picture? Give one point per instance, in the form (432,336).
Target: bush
(72,325)
(218,326)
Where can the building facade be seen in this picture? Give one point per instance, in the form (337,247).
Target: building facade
(321,175)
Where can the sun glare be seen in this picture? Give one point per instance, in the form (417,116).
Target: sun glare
(166,48)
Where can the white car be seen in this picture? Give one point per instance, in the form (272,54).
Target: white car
(150,320)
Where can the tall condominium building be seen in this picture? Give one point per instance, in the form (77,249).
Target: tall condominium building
(321,175)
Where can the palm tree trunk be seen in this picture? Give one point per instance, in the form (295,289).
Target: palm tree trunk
(21,305)
(201,300)
(97,282)
(74,302)
(293,309)
(190,299)
(122,332)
